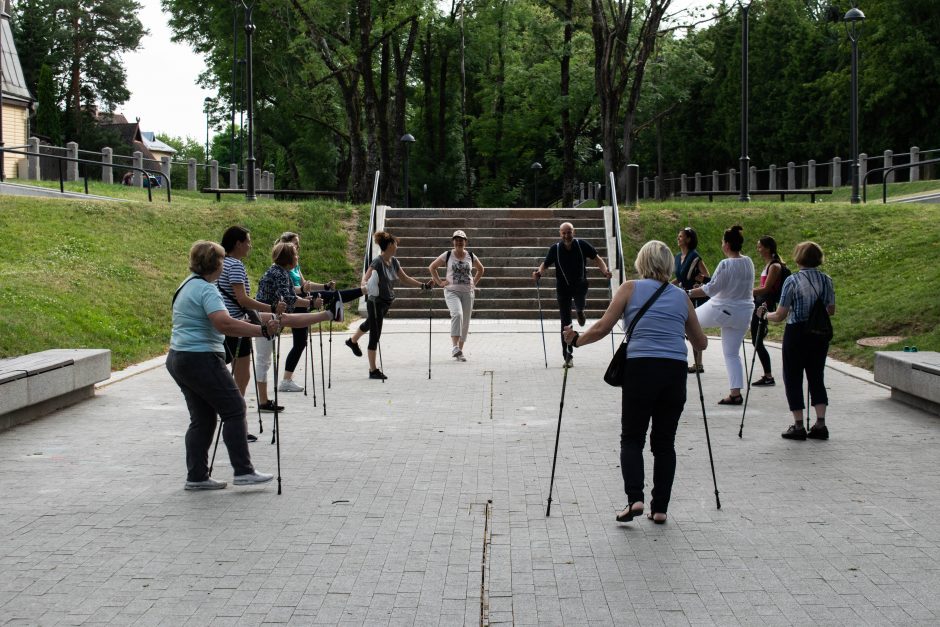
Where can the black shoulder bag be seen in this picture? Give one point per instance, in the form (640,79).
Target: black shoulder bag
(614,374)
(818,324)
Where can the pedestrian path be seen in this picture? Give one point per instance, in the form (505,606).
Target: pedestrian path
(417,502)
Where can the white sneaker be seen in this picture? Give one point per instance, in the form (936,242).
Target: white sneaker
(455,351)
(289,386)
(253,478)
(461,357)
(208,484)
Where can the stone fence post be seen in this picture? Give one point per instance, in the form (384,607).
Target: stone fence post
(862,167)
(732,180)
(257,180)
(191,175)
(836,172)
(138,179)
(915,158)
(107,172)
(698,181)
(657,187)
(71,168)
(772,179)
(233,176)
(32,161)
(753,178)
(889,161)
(811,174)
(791,175)
(716,184)
(646,187)
(166,167)
(214,174)
(683,184)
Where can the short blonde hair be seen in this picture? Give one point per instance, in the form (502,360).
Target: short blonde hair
(654,261)
(205,257)
(284,254)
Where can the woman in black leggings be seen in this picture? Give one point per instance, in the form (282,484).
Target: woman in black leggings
(804,351)
(384,273)
(771,283)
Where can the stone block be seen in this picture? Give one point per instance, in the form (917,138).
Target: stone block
(13,394)
(914,375)
(92,365)
(49,384)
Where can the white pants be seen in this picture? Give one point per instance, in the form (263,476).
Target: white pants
(264,349)
(460,305)
(734,321)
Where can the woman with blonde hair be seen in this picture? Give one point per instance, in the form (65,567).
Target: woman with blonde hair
(654,382)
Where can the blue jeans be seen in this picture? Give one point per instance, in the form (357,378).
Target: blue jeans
(210,391)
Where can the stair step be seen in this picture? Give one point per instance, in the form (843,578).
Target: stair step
(427,233)
(556,213)
(548,314)
(546,225)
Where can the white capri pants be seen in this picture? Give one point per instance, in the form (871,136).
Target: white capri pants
(460,305)
(264,350)
(734,321)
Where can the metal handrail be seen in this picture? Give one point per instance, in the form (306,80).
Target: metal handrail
(618,249)
(367,258)
(884,180)
(60,159)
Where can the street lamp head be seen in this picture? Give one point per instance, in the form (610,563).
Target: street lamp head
(853,15)
(408,138)
(852,20)
(745,4)
(536,166)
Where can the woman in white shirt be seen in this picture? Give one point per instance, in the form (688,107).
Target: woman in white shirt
(459,285)
(730,306)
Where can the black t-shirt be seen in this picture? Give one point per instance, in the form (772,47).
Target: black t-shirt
(570,264)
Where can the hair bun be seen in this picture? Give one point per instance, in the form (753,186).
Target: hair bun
(738,227)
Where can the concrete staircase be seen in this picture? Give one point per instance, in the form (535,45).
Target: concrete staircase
(509,242)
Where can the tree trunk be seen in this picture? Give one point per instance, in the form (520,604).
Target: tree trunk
(567,132)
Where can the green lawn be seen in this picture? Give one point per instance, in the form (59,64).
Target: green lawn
(93,273)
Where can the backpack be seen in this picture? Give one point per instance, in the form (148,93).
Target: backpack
(784,273)
(818,324)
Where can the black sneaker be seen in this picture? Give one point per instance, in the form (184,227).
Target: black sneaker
(376,374)
(764,380)
(334,305)
(581,319)
(817,432)
(354,347)
(794,433)
(252,438)
(269,407)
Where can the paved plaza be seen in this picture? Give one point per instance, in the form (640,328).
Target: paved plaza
(418,502)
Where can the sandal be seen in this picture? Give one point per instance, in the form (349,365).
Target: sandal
(654,517)
(629,513)
(732,400)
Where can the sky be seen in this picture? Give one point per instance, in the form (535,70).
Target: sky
(161,77)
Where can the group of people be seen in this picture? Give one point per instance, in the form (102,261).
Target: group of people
(675,295)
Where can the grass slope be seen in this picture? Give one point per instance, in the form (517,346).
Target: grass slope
(102,274)
(883,259)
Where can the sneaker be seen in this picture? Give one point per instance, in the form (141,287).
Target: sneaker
(252,479)
(252,438)
(455,352)
(581,319)
(764,380)
(289,386)
(269,407)
(794,433)
(354,347)
(376,374)
(461,357)
(208,484)
(817,432)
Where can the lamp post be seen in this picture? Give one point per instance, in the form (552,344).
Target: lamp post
(535,167)
(250,195)
(852,20)
(745,162)
(206,104)
(407,139)
(3,18)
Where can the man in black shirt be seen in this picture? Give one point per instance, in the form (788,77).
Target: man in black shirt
(569,257)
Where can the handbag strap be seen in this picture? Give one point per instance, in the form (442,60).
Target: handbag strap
(639,314)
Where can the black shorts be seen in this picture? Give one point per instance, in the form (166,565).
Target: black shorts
(240,344)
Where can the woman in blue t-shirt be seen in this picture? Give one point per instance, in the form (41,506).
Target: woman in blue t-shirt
(196,362)
(655,375)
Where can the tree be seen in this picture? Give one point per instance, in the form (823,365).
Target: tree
(48,115)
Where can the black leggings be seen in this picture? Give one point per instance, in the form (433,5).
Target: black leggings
(565,294)
(377,308)
(804,352)
(762,353)
(300,334)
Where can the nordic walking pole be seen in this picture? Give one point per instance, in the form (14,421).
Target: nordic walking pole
(313,370)
(254,373)
(305,369)
(761,332)
(538,293)
(806,423)
(708,440)
(430,303)
(381,365)
(238,346)
(329,369)
(322,373)
(561,408)
(275,436)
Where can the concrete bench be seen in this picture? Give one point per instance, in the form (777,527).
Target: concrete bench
(914,378)
(35,385)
